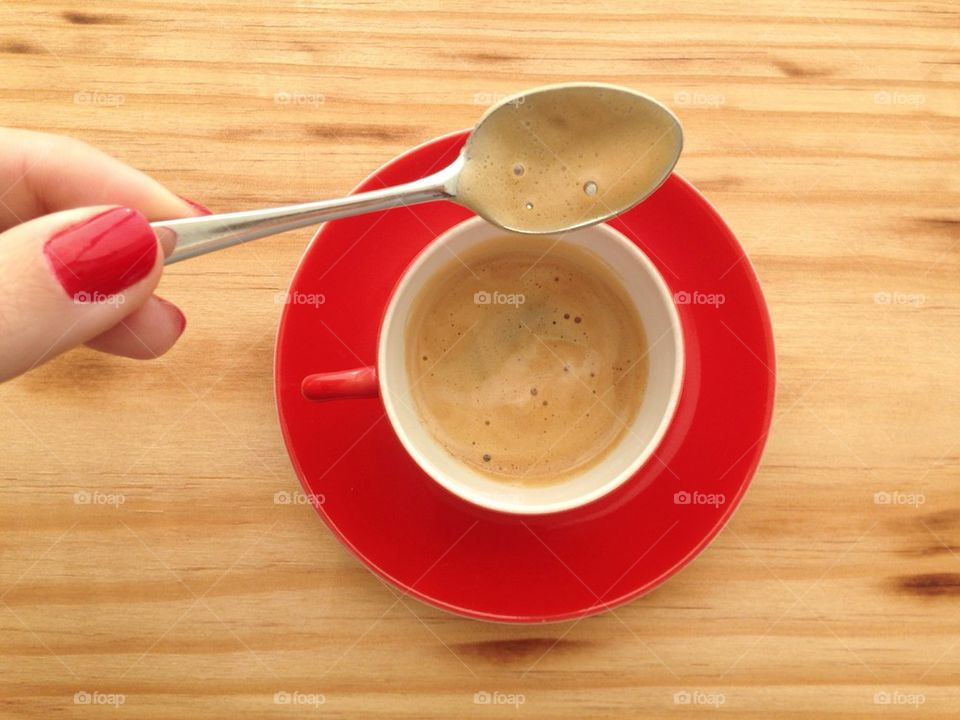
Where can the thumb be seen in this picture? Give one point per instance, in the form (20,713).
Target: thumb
(68,277)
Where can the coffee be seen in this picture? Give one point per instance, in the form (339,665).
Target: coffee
(560,159)
(526,359)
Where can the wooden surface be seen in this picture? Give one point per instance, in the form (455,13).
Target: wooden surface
(826,133)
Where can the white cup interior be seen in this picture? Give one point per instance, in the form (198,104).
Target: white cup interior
(645,287)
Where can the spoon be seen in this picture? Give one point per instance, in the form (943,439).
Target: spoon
(552,159)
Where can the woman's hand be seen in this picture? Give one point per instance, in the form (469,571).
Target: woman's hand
(78,260)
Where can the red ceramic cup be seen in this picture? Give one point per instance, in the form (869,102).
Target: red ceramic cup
(390,381)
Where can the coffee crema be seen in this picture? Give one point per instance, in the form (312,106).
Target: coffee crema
(557,159)
(526,359)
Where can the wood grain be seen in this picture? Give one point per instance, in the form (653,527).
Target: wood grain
(826,133)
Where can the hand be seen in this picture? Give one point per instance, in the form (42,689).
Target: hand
(78,260)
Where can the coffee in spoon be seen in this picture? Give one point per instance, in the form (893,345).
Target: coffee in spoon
(565,156)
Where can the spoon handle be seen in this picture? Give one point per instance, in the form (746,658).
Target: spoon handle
(201,235)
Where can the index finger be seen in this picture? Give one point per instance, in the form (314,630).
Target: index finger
(42,173)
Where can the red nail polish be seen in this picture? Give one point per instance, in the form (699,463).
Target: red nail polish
(182,319)
(196,206)
(102,255)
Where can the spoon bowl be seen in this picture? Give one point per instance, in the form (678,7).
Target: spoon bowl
(562,157)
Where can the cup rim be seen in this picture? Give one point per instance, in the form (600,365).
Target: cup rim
(498,504)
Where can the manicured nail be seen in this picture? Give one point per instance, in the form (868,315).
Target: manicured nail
(196,206)
(182,319)
(102,255)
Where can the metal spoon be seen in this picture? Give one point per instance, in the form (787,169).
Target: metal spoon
(556,137)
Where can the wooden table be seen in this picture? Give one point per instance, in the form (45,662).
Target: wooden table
(826,133)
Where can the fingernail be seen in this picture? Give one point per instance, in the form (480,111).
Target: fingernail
(196,206)
(102,255)
(181,318)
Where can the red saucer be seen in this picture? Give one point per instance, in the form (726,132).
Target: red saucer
(486,565)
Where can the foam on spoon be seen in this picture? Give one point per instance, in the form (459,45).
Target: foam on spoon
(562,157)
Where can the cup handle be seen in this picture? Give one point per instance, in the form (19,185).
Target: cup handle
(341,385)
